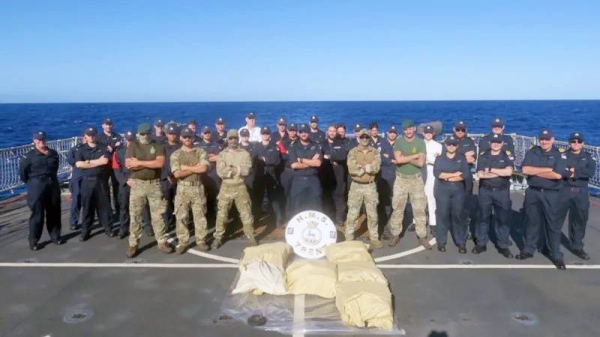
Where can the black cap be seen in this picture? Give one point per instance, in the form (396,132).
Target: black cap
(281,121)
(460,124)
(496,138)
(292,127)
(303,128)
(428,129)
(244,133)
(576,136)
(205,129)
(251,115)
(497,122)
(451,141)
(220,120)
(159,122)
(192,122)
(187,132)
(107,121)
(392,129)
(373,125)
(357,127)
(314,119)
(171,129)
(265,130)
(91,131)
(546,134)
(130,135)
(39,135)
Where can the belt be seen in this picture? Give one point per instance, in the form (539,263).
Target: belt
(189,183)
(409,176)
(151,181)
(542,189)
(505,188)
(362,182)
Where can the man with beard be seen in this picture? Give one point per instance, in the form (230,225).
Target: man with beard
(145,158)
(364,163)
(316,135)
(305,159)
(233,165)
(187,163)
(333,172)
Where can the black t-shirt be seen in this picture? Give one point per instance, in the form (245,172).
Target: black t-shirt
(487,160)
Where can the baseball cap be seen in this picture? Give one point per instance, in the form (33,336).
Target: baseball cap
(159,122)
(234,133)
(243,133)
(546,134)
(107,121)
(144,127)
(357,128)
(205,129)
(91,131)
(281,121)
(292,127)
(171,128)
(220,120)
(428,129)
(451,141)
(187,132)
(496,138)
(576,136)
(265,130)
(409,123)
(363,132)
(303,128)
(392,129)
(39,135)
(460,124)
(497,122)
(130,135)
(314,119)
(251,115)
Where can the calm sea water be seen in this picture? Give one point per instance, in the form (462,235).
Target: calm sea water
(19,121)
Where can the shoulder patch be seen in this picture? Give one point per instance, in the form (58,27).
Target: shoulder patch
(507,152)
(481,153)
(561,150)
(532,146)
(471,138)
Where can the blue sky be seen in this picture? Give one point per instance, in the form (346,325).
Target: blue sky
(132,51)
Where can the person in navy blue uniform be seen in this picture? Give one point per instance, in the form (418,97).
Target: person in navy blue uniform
(167,180)
(39,170)
(545,167)
(93,160)
(341,131)
(305,158)
(450,169)
(333,172)
(387,176)
(254,179)
(123,176)
(75,186)
(287,175)
(111,141)
(354,141)
(574,196)
(267,167)
(281,132)
(494,169)
(159,134)
(316,135)
(219,136)
(210,179)
(374,133)
(497,128)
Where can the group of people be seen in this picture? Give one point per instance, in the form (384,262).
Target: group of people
(162,175)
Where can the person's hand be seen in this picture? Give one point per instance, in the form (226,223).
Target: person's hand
(572,174)
(102,161)
(129,182)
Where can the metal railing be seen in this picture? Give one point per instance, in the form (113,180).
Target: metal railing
(11,183)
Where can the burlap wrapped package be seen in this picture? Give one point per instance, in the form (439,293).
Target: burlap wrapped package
(348,251)
(276,254)
(360,271)
(365,304)
(312,277)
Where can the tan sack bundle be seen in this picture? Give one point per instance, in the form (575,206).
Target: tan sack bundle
(360,271)
(348,251)
(276,254)
(312,277)
(365,303)
(261,277)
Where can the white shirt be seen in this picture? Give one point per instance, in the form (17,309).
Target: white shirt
(433,149)
(254,134)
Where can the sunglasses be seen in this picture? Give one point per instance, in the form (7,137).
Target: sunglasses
(144,133)
(232,138)
(302,132)
(460,130)
(186,137)
(576,141)
(454,145)
(364,137)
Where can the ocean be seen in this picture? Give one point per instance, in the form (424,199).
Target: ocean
(19,121)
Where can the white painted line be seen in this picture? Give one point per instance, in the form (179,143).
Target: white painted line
(483,266)
(118,265)
(172,241)
(298,325)
(403,254)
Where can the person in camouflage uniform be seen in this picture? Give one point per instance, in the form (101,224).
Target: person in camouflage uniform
(364,163)
(145,158)
(187,163)
(233,164)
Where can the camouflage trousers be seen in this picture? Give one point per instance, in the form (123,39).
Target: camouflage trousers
(146,192)
(190,197)
(358,194)
(407,186)
(227,196)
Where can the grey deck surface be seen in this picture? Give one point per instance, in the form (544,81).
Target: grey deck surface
(186,302)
